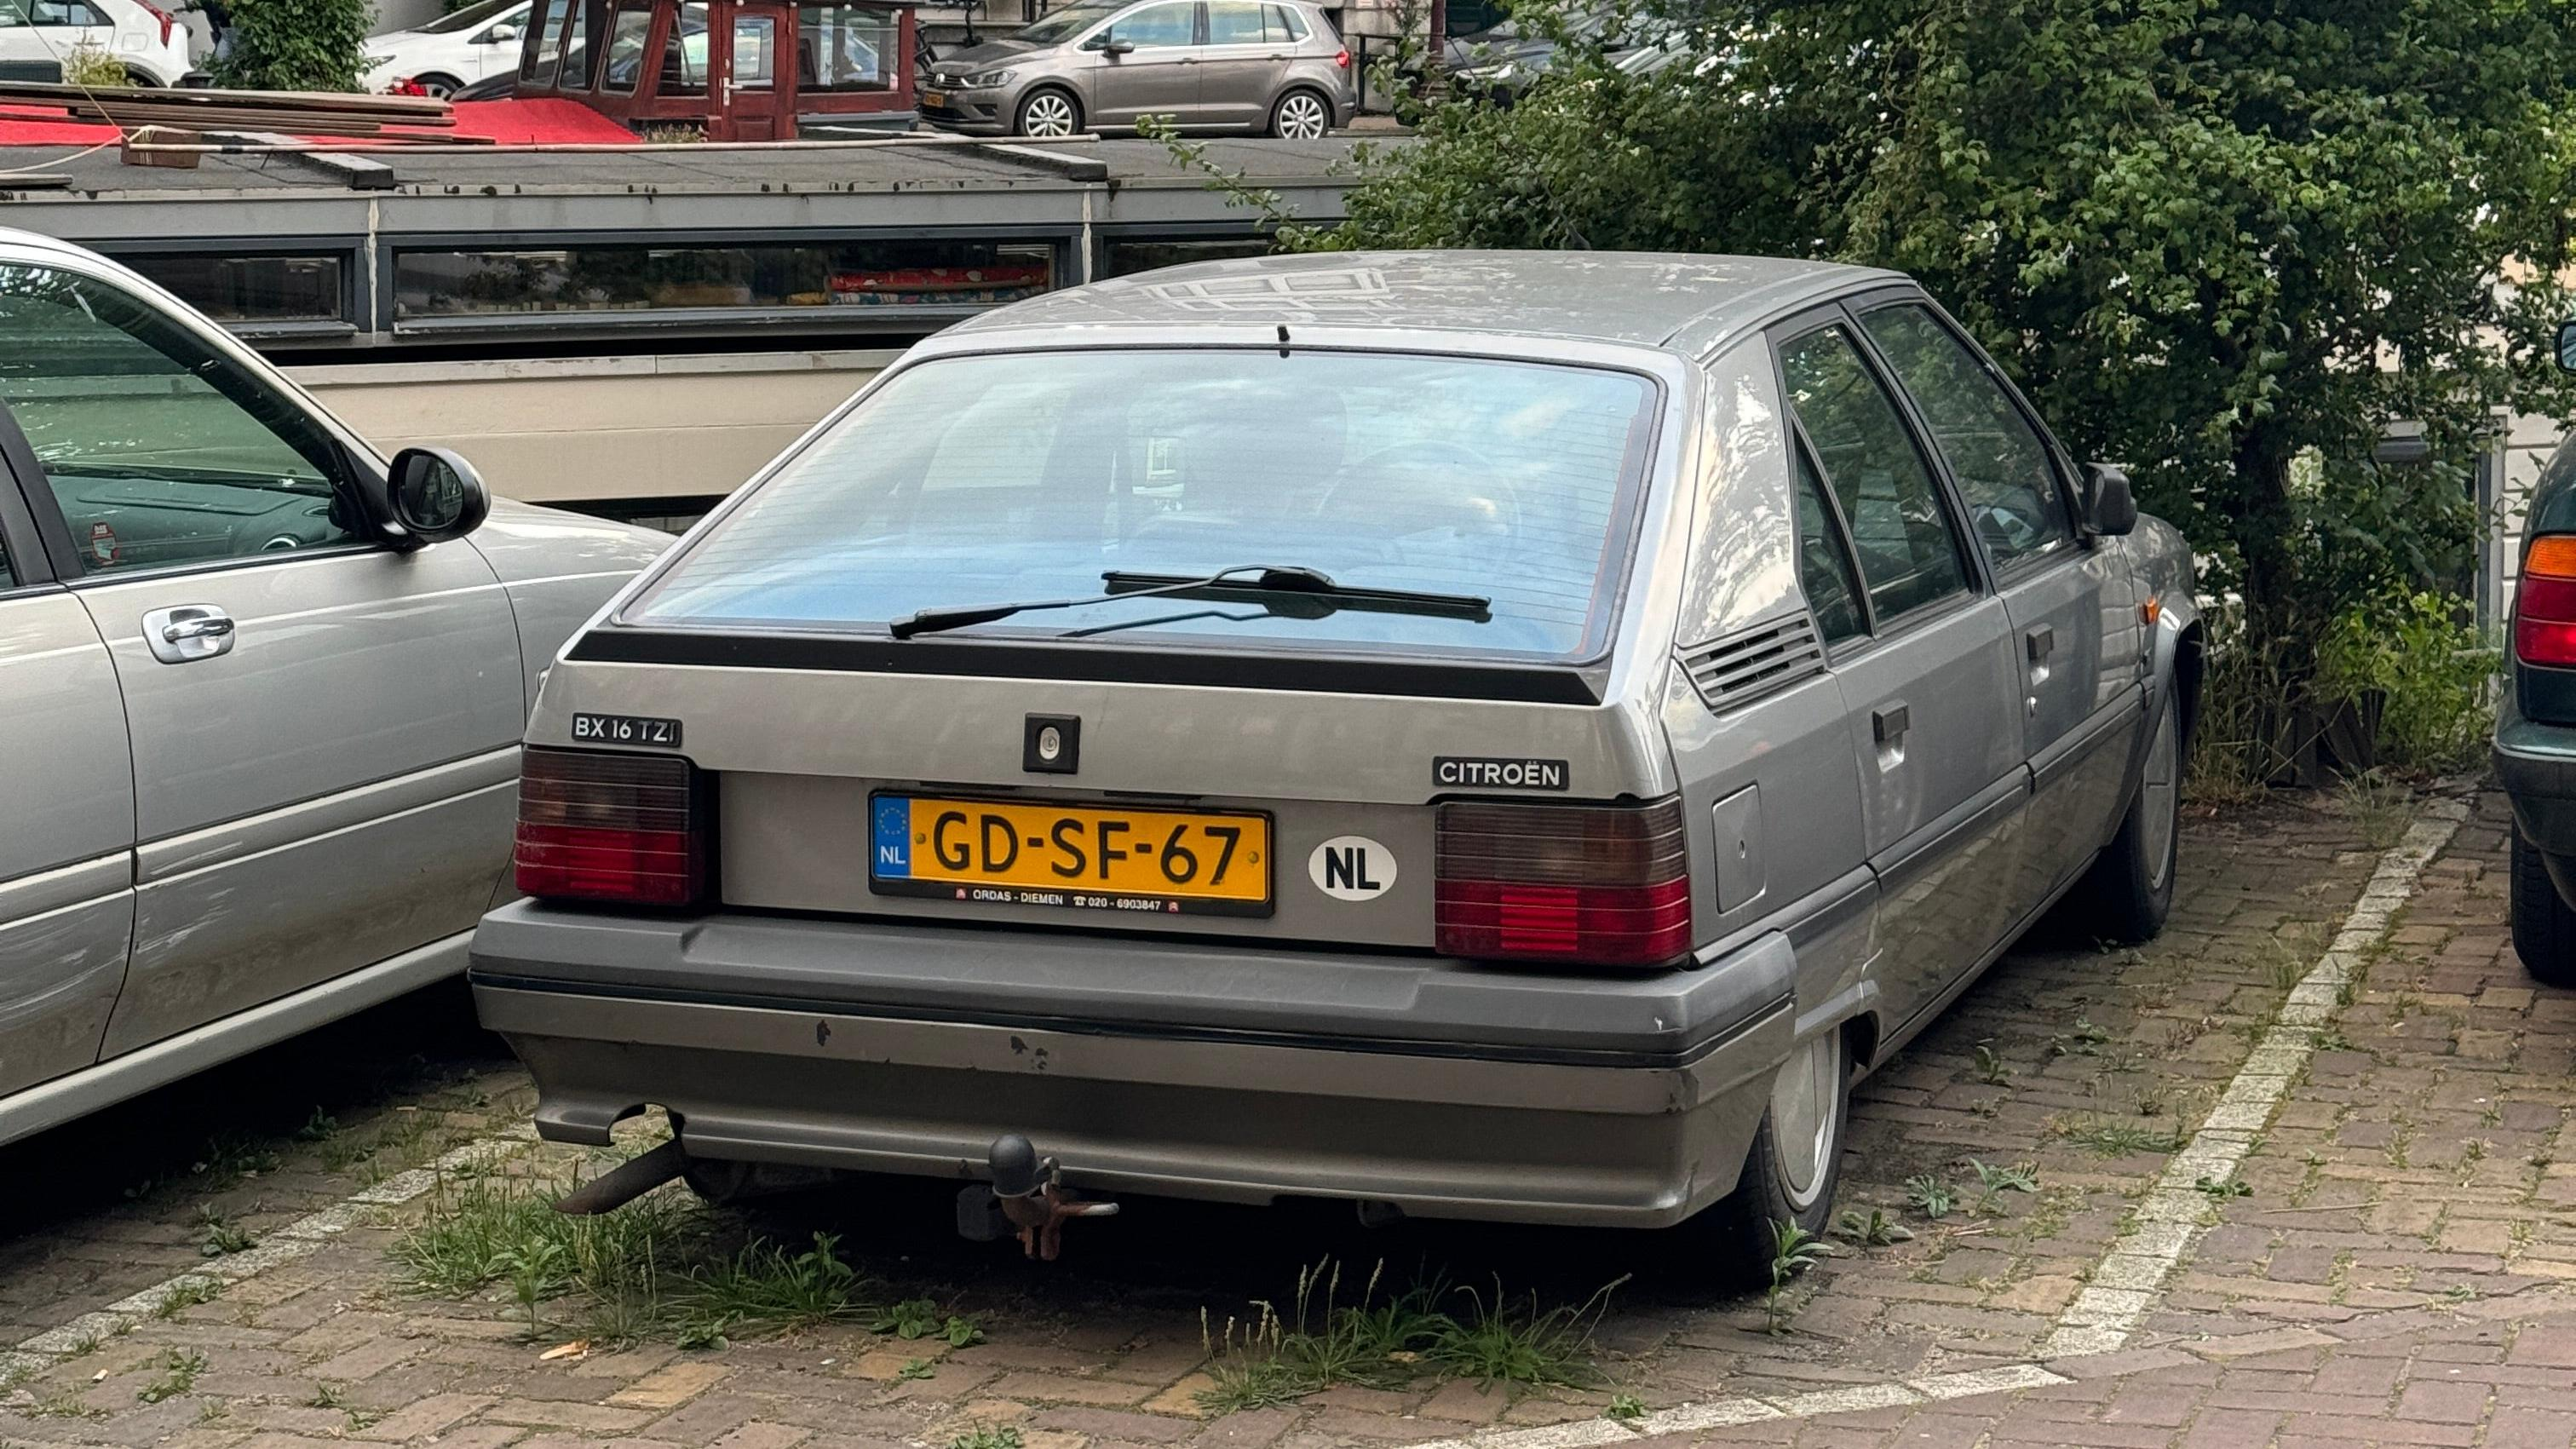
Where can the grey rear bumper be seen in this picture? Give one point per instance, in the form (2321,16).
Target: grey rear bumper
(1179,1068)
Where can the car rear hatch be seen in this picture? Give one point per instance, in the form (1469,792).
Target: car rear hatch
(1395,720)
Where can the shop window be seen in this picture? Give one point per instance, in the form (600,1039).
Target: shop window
(607,279)
(251,289)
(1127,256)
(626,42)
(684,54)
(846,47)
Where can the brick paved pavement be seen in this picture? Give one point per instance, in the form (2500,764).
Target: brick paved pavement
(2393,1275)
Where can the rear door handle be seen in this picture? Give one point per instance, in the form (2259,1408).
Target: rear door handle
(186,633)
(2039,641)
(1889,722)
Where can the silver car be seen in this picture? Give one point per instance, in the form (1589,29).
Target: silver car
(1265,66)
(260,698)
(1480,735)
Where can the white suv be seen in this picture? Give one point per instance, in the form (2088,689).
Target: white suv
(449,53)
(36,36)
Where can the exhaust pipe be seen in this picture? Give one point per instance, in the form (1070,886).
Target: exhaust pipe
(625,1182)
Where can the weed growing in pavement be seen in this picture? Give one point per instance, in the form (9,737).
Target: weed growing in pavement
(218,1235)
(1390,1341)
(1873,1229)
(1993,1182)
(1793,1251)
(1929,1196)
(83,1346)
(915,1368)
(988,1436)
(212,1411)
(766,1289)
(533,1269)
(1624,1407)
(185,1294)
(317,1127)
(68,1404)
(179,1370)
(1991,1069)
(916,1318)
(2119,1139)
(2224,1187)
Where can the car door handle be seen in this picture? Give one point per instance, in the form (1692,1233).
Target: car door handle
(188,632)
(2039,642)
(1889,722)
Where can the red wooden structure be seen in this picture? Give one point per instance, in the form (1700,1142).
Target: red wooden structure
(743,69)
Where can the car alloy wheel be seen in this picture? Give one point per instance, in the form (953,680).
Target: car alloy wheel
(1048,113)
(1806,1118)
(1300,117)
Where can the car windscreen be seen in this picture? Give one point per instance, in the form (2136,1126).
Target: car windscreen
(467,18)
(1066,22)
(1028,476)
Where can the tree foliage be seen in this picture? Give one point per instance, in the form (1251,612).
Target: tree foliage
(2225,242)
(297,45)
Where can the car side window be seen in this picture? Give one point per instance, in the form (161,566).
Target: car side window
(1824,568)
(1159,26)
(2015,496)
(1285,28)
(158,449)
(1907,547)
(1236,22)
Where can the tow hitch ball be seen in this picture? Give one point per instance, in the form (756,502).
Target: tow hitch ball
(1025,1198)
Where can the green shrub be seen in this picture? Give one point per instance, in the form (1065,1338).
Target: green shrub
(297,45)
(2427,676)
(88,64)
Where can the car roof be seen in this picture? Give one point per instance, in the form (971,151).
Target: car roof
(1652,299)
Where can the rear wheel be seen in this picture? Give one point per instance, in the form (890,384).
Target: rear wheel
(141,79)
(1790,1173)
(2128,893)
(1301,115)
(1049,112)
(2544,929)
(436,86)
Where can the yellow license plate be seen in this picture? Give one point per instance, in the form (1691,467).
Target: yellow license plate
(1152,862)
(934,98)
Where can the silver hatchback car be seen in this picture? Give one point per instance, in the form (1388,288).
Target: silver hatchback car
(260,695)
(1480,735)
(1264,66)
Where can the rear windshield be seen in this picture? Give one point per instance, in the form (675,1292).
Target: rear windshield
(977,480)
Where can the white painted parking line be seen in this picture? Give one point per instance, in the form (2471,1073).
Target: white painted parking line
(299,1239)
(2125,1285)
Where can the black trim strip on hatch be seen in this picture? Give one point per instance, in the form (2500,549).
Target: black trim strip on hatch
(1242,669)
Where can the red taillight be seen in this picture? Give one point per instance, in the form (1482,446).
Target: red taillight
(406,86)
(1342,59)
(605,827)
(1582,884)
(2544,603)
(157,13)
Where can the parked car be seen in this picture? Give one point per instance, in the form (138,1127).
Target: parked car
(35,36)
(1497,64)
(261,692)
(2535,737)
(1266,66)
(1484,735)
(450,53)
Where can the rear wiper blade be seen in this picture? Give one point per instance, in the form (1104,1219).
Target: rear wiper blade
(1303,593)
(1283,589)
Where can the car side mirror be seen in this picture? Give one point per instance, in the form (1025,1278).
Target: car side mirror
(2567,346)
(501,34)
(1112,46)
(433,495)
(2110,509)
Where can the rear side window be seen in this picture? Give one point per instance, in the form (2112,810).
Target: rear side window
(1824,569)
(2003,470)
(1286,26)
(972,480)
(1236,22)
(1908,548)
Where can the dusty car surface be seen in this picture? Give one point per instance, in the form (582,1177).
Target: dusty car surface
(1503,736)
(260,693)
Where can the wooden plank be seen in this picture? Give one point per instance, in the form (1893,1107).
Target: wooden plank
(383,107)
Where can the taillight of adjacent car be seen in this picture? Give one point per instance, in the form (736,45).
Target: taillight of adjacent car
(597,826)
(168,23)
(1342,58)
(2544,603)
(1584,885)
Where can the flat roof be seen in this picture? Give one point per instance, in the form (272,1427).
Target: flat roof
(1636,298)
